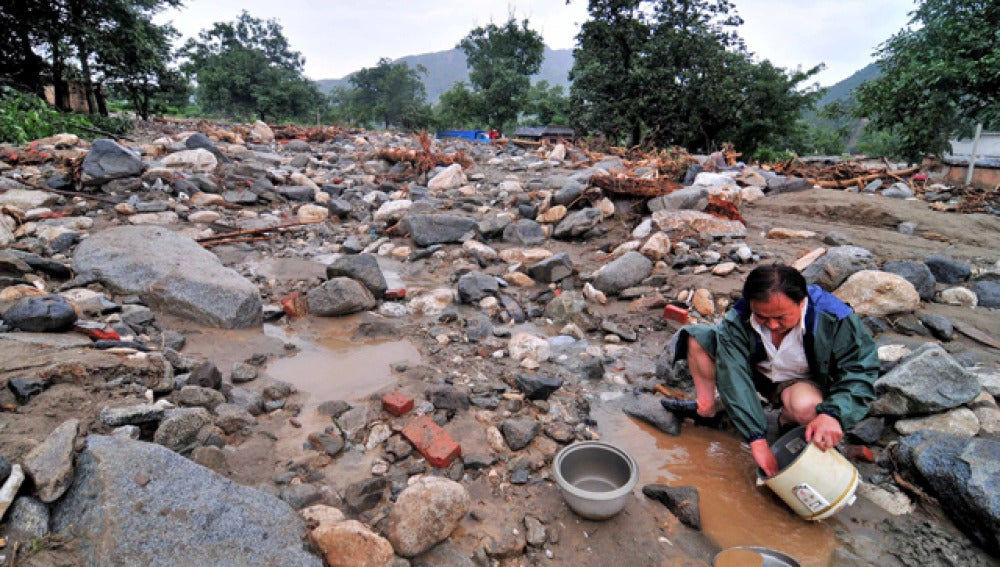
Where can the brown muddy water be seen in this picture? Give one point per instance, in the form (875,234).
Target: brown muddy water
(734,511)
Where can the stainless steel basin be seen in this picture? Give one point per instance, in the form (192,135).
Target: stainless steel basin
(596,478)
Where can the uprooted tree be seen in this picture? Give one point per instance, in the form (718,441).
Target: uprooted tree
(675,72)
(939,78)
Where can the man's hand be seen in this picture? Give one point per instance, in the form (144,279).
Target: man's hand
(764,457)
(824,431)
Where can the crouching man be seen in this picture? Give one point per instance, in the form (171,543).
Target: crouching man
(797,346)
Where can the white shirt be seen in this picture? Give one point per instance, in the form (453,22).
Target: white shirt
(787,362)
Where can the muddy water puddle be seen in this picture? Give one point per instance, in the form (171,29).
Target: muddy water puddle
(734,511)
(329,365)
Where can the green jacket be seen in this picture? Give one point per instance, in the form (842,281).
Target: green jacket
(842,357)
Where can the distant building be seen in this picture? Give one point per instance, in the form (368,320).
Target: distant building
(986,174)
(550,134)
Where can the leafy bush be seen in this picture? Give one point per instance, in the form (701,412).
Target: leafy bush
(25,117)
(770,155)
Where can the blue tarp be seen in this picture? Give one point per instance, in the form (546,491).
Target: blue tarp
(477,135)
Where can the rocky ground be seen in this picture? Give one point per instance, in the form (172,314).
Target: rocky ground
(152,289)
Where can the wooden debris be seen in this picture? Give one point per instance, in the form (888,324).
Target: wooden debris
(257,233)
(423,160)
(623,184)
(841,175)
(719,207)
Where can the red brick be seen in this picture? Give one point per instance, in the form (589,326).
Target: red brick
(433,442)
(397,403)
(675,313)
(395,293)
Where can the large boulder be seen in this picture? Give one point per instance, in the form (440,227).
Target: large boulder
(428,230)
(340,296)
(361,267)
(927,381)
(142,504)
(875,293)
(622,273)
(964,474)
(917,273)
(172,272)
(838,264)
(426,513)
(108,160)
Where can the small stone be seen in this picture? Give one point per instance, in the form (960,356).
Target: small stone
(703,302)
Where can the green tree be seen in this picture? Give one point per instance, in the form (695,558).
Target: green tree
(546,105)
(675,72)
(501,60)
(391,93)
(939,78)
(458,107)
(246,68)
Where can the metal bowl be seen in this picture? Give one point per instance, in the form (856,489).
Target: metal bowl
(596,478)
(770,557)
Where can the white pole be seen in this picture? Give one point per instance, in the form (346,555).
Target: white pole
(972,158)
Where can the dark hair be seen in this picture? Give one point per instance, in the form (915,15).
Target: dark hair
(770,278)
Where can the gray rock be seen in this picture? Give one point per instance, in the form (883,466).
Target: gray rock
(5,467)
(137,315)
(26,388)
(519,431)
(447,397)
(301,495)
(948,270)
(426,513)
(964,474)
(622,273)
(333,408)
(908,228)
(50,464)
(330,443)
(365,494)
(242,373)
(898,191)
(232,418)
(45,314)
(199,140)
(577,224)
(199,397)
(240,197)
(917,273)
(300,193)
(131,415)
(568,193)
(781,184)
(206,375)
(297,146)
(249,400)
(340,296)
(109,160)
(673,374)
(474,286)
(927,381)
(867,431)
(569,307)
(524,232)
(552,269)
(838,264)
(361,267)
(28,520)
(132,501)
(478,327)
(940,327)
(988,293)
(682,501)
(873,187)
(428,230)
(695,198)
(493,225)
(179,429)
(537,386)
(648,409)
(182,278)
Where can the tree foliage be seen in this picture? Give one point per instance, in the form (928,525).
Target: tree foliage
(390,93)
(545,105)
(501,60)
(48,42)
(675,72)
(458,107)
(246,68)
(938,78)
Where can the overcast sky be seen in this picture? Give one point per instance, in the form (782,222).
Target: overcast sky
(338,37)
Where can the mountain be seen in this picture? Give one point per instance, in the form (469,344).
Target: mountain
(444,68)
(844,90)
